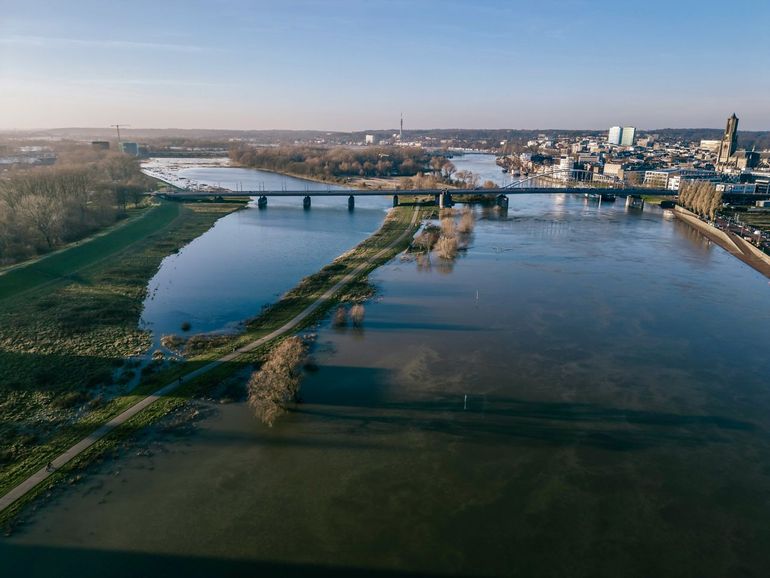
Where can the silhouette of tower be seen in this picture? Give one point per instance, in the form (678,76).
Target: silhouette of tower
(729,141)
(401,128)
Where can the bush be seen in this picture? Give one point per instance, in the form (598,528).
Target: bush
(276,384)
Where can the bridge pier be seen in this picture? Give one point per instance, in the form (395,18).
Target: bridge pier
(395,200)
(445,200)
(306,202)
(501,201)
(635,202)
(351,203)
(262,202)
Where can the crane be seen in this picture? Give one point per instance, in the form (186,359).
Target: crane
(117,127)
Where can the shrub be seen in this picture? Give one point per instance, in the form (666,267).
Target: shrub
(357,314)
(340,318)
(276,384)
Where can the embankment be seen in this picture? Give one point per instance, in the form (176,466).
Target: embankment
(730,242)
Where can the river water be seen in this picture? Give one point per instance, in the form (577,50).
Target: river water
(584,392)
(250,258)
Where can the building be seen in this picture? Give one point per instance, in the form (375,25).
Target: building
(369,139)
(709,145)
(729,141)
(627,135)
(613,170)
(623,136)
(100,145)
(566,166)
(130,148)
(745,159)
(657,179)
(613,136)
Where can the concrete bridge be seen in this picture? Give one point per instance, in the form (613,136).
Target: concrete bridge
(560,181)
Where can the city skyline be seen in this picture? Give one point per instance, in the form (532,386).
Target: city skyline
(347,66)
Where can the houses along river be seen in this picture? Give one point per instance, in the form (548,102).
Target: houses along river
(584,392)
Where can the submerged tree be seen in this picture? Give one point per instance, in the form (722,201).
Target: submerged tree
(275,385)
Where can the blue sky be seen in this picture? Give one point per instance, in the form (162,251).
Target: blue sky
(355,65)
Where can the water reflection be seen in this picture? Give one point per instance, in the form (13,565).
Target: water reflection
(585,394)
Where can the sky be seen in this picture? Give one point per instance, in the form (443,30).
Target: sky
(358,64)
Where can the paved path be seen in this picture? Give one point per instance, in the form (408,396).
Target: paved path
(39,476)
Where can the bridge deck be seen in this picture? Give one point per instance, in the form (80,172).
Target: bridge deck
(406,192)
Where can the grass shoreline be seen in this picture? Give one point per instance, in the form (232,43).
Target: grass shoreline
(359,262)
(62,340)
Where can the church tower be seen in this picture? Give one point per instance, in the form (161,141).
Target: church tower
(729,141)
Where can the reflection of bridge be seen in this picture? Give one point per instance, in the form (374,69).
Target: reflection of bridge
(558,181)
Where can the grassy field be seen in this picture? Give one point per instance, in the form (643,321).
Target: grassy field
(39,420)
(63,334)
(63,265)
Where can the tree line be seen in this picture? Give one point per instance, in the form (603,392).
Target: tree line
(701,197)
(334,163)
(43,208)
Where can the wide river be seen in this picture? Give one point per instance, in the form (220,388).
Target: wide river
(584,392)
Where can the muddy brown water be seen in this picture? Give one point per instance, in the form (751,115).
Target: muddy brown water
(583,393)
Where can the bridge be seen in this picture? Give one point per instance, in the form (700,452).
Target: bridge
(558,181)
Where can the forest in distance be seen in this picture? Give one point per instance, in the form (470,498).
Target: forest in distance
(341,162)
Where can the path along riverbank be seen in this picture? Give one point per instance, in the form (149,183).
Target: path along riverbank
(729,241)
(300,306)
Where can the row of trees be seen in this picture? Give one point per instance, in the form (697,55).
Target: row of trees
(337,162)
(701,197)
(42,208)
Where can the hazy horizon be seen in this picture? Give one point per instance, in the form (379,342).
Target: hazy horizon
(347,66)
(363,130)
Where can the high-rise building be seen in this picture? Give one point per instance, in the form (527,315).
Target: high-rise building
(623,136)
(613,137)
(627,135)
(729,141)
(566,166)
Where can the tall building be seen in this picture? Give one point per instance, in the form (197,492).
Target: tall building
(613,137)
(627,135)
(623,136)
(566,166)
(729,141)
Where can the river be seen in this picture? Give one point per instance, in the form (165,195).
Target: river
(251,257)
(584,392)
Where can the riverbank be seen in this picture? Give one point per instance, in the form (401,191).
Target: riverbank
(216,358)
(69,331)
(730,242)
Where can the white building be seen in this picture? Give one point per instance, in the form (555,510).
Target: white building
(623,136)
(369,139)
(613,137)
(709,145)
(627,136)
(566,165)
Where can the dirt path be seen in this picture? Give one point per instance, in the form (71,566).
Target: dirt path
(41,475)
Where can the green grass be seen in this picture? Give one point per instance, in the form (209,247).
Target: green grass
(61,266)
(61,341)
(38,452)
